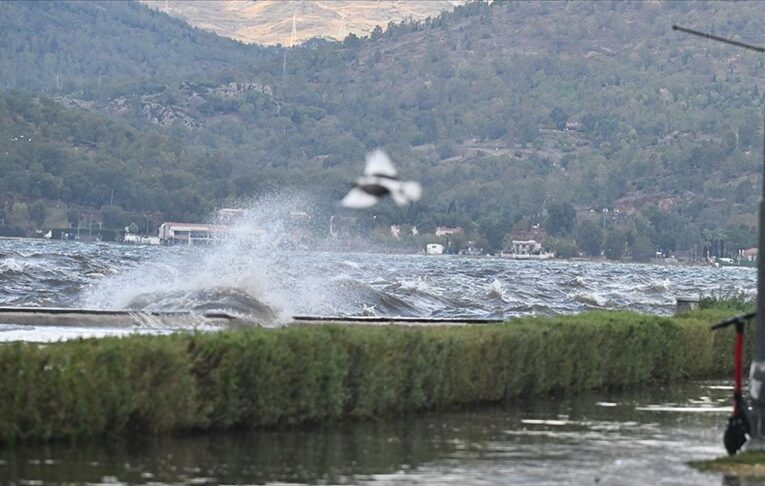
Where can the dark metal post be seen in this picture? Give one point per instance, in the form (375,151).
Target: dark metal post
(757,370)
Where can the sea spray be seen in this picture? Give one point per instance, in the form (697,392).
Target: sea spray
(497,291)
(266,271)
(246,273)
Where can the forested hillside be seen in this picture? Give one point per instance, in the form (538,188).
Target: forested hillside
(49,151)
(511,114)
(77,47)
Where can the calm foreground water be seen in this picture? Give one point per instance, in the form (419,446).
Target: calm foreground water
(643,437)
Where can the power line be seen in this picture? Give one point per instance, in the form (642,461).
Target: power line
(721,39)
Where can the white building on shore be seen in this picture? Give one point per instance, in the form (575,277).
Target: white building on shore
(527,250)
(434,249)
(134,239)
(190,233)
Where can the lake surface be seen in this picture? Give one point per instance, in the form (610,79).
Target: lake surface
(638,438)
(244,274)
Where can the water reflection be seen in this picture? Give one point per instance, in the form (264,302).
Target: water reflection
(321,454)
(644,437)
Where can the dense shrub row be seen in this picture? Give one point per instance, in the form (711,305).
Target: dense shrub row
(262,377)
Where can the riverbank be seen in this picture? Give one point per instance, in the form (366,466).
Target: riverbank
(749,464)
(307,374)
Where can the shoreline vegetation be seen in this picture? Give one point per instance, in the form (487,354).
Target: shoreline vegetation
(254,378)
(750,464)
(412,251)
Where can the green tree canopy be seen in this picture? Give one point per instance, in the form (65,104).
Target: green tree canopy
(561,218)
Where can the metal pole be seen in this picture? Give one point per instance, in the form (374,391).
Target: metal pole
(757,370)
(719,39)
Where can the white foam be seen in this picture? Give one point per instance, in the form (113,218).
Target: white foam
(11,265)
(251,260)
(670,408)
(48,334)
(545,422)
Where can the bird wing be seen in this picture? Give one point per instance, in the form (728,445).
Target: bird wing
(379,164)
(358,199)
(405,192)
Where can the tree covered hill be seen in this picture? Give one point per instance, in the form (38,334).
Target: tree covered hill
(76,156)
(75,47)
(504,111)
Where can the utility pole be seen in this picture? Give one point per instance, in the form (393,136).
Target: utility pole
(293,36)
(284,63)
(757,370)
(292,43)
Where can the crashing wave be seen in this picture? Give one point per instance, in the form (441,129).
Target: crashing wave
(230,301)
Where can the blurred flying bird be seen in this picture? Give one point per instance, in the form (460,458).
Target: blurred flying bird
(379,180)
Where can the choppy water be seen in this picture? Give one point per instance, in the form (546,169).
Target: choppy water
(637,438)
(245,277)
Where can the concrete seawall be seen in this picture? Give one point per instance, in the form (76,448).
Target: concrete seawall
(57,316)
(46,324)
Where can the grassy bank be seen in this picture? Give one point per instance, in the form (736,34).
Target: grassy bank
(257,377)
(750,464)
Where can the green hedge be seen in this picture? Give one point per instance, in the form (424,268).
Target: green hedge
(268,377)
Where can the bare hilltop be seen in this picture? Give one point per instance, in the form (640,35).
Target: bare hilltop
(270,22)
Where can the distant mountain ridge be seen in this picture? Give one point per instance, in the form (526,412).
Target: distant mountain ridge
(269,22)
